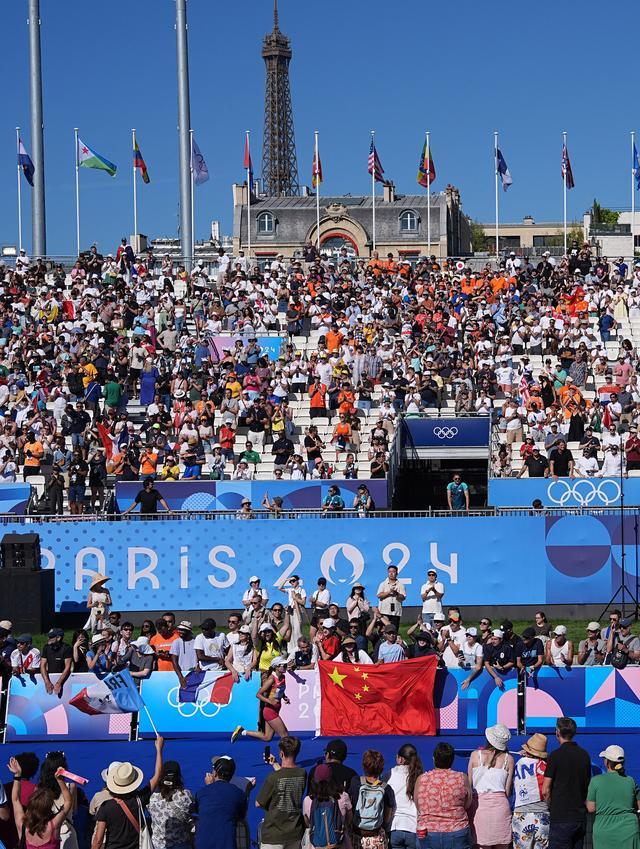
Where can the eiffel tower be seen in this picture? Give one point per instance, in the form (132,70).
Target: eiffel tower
(279,160)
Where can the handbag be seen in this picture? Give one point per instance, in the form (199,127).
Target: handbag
(140,825)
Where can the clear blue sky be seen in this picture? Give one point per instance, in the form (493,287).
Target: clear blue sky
(459,69)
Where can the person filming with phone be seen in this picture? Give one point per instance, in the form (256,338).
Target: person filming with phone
(391,594)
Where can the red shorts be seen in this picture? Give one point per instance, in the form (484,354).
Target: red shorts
(270,713)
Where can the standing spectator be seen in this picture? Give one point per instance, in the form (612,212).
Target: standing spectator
(55,660)
(211,648)
(117,820)
(254,590)
(530,823)
(432,594)
(183,652)
(358,607)
(335,755)
(33,454)
(327,810)
(148,498)
(565,786)
(333,502)
(614,798)
(372,802)
(490,773)
(391,594)
(161,644)
(457,494)
(39,823)
(170,807)
(530,652)
(78,471)
(402,780)
(54,491)
(99,603)
(443,797)
(281,798)
(319,602)
(499,657)
(25,659)
(561,461)
(591,651)
(220,806)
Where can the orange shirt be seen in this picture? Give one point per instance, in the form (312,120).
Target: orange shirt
(37,453)
(160,643)
(148,463)
(334,340)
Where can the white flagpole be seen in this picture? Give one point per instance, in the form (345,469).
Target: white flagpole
(317,161)
(193,237)
(19,190)
(248,205)
(135,187)
(428,136)
(564,188)
(75,132)
(495,157)
(633,200)
(373,188)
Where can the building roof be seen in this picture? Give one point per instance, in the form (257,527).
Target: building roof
(361,201)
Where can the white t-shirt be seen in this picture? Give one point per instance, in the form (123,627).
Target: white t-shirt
(322,599)
(215,647)
(460,638)
(432,604)
(390,606)
(185,651)
(250,593)
(471,654)
(241,658)
(28,662)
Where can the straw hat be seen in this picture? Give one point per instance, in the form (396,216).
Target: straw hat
(124,779)
(498,736)
(536,746)
(97,580)
(105,772)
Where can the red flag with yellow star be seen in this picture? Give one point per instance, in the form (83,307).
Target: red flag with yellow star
(393,698)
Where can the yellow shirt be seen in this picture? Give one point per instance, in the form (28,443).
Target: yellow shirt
(269,651)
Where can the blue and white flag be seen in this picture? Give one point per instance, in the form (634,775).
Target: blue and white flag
(503,170)
(25,162)
(636,167)
(198,165)
(116,693)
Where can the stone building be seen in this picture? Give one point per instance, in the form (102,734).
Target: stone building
(283,225)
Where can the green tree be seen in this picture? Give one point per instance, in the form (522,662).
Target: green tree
(478,238)
(603,215)
(575,234)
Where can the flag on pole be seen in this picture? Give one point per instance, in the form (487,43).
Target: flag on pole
(426,167)
(88,158)
(25,162)
(198,165)
(636,167)
(503,170)
(393,698)
(567,173)
(248,164)
(116,693)
(106,440)
(138,162)
(316,170)
(374,165)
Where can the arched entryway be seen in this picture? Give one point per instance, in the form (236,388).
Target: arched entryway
(333,244)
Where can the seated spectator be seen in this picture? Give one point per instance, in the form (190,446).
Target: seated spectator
(499,657)
(559,650)
(25,659)
(623,647)
(530,653)
(391,650)
(591,652)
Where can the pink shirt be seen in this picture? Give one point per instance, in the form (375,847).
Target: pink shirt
(440,797)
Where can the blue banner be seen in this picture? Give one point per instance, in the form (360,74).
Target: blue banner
(227,495)
(451,433)
(564,492)
(14,497)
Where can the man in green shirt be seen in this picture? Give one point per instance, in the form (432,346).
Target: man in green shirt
(281,798)
(252,457)
(112,392)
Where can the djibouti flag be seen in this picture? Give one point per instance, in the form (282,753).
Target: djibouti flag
(88,158)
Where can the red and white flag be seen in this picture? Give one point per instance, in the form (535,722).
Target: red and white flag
(96,699)
(209,686)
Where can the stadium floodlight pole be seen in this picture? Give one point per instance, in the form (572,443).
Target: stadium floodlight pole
(373,190)
(318,184)
(19,190)
(135,188)
(428,138)
(495,162)
(38,216)
(633,197)
(184,127)
(564,190)
(77,161)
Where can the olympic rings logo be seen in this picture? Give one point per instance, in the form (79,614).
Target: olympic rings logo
(201,705)
(584,492)
(445,432)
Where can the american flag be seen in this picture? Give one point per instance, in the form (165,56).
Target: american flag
(375,166)
(567,173)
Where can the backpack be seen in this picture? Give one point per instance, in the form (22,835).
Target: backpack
(369,812)
(326,824)
(619,659)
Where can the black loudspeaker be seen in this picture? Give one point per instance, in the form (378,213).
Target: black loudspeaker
(20,551)
(27,599)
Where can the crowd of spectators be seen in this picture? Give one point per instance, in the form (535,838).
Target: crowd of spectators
(540,798)
(81,349)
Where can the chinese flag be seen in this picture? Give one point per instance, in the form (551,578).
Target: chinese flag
(393,698)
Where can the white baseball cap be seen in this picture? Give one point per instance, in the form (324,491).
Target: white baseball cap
(328,623)
(593,626)
(615,754)
(253,578)
(560,630)
(498,632)
(471,632)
